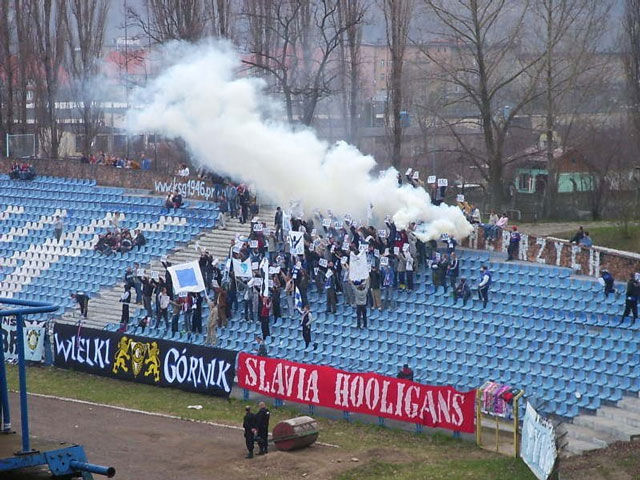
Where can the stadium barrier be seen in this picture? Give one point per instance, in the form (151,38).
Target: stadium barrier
(153,361)
(561,253)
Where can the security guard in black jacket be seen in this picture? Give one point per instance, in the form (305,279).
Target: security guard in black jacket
(249,425)
(262,424)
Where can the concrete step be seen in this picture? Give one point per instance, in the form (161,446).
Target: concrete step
(626,417)
(585,434)
(578,447)
(631,404)
(607,426)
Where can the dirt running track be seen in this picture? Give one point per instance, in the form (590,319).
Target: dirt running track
(144,447)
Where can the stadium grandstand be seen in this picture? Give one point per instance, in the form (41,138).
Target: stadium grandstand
(545,329)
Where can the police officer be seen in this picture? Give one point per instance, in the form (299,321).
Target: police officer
(262,425)
(249,425)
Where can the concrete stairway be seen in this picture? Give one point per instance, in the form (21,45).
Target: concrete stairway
(608,425)
(106,307)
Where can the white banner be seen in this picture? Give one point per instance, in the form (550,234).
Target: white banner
(358,266)
(538,446)
(33,340)
(264,266)
(296,242)
(242,269)
(186,277)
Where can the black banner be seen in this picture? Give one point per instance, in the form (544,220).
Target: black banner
(153,361)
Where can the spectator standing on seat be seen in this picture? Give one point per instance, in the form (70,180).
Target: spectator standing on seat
(163,303)
(212,324)
(609,282)
(514,244)
(277,222)
(82,300)
(265,310)
(462,290)
(249,425)
(175,315)
(405,373)
(360,291)
(453,270)
(330,289)
(125,299)
(196,319)
(222,303)
(139,240)
(375,280)
(262,427)
(443,267)
(409,269)
(483,286)
(631,301)
(305,323)
(147,290)
(388,291)
(58,227)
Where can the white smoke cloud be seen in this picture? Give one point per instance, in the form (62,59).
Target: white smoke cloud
(199,98)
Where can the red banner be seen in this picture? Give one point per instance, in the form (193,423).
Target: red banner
(367,393)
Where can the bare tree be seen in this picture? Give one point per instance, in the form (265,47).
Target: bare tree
(397,16)
(631,49)
(7,66)
(85,38)
(48,20)
(350,42)
(220,17)
(166,20)
(25,51)
(293,41)
(570,38)
(496,77)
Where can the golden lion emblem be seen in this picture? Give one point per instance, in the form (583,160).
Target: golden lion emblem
(153,361)
(122,355)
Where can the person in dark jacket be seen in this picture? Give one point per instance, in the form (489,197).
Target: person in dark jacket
(125,299)
(405,373)
(305,323)
(514,244)
(462,290)
(262,426)
(83,302)
(608,282)
(631,302)
(196,320)
(278,223)
(249,425)
(453,270)
(139,240)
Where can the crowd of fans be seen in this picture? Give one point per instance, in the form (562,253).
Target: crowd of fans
(393,256)
(118,161)
(119,240)
(22,171)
